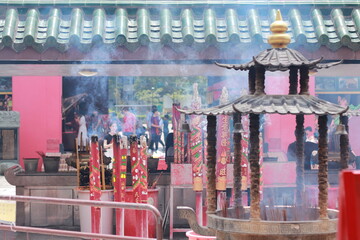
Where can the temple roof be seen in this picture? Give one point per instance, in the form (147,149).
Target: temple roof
(224,27)
(281,104)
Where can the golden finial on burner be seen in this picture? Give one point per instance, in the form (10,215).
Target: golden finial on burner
(279,38)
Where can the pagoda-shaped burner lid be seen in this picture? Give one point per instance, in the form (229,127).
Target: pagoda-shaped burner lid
(280,104)
(277,58)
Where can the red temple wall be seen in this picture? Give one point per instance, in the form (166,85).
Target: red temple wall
(38,100)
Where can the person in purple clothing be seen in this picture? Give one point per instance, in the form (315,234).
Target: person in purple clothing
(155,131)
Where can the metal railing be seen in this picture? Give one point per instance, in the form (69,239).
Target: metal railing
(66,233)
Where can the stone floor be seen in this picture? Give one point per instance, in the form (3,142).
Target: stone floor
(7,208)
(23,236)
(5,187)
(6,235)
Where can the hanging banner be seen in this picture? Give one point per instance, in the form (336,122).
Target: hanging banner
(143,170)
(223,144)
(123,164)
(119,180)
(135,168)
(139,182)
(196,143)
(95,185)
(143,185)
(176,132)
(116,168)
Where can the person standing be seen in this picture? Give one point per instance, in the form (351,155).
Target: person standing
(149,116)
(82,137)
(155,131)
(148,121)
(310,149)
(108,143)
(129,123)
(161,124)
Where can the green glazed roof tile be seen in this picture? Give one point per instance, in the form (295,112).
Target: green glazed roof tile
(341,26)
(52,29)
(187,27)
(356,17)
(210,26)
(165,26)
(143,26)
(254,25)
(121,26)
(76,25)
(232,24)
(319,25)
(98,25)
(199,28)
(31,27)
(10,27)
(297,26)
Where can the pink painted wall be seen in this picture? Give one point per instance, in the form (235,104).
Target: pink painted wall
(279,131)
(38,99)
(354,136)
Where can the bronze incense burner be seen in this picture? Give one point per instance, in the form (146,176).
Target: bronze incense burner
(254,222)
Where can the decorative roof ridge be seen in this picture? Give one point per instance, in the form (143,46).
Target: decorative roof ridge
(170,2)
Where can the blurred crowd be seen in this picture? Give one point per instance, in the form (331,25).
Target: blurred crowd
(154,127)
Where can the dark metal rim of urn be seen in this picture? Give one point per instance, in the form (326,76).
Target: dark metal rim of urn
(245,226)
(31,164)
(51,164)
